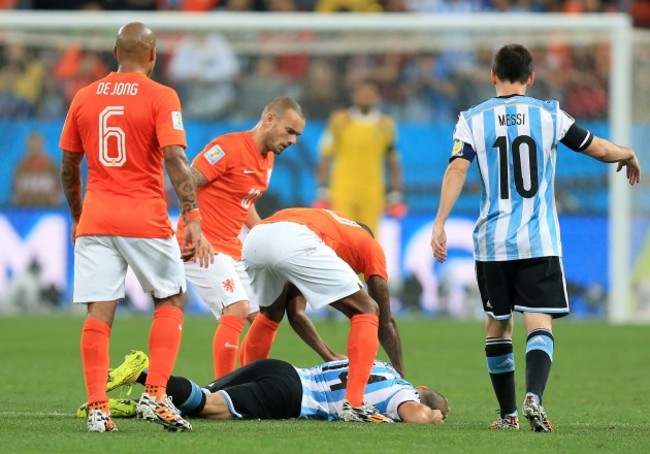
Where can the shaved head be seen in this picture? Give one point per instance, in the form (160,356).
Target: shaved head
(135,45)
(282,104)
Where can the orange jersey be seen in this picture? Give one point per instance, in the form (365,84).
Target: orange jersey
(349,240)
(237,175)
(121,122)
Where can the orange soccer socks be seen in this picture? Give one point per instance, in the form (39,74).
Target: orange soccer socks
(95,336)
(164,343)
(363,343)
(226,344)
(259,339)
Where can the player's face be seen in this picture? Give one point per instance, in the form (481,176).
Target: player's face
(284,131)
(366,96)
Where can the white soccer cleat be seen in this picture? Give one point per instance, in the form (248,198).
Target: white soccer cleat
(98,421)
(163,412)
(536,416)
(365,413)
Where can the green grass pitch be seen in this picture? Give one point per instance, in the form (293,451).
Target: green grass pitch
(597,396)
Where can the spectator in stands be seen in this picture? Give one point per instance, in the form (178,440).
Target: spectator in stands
(263,83)
(430,89)
(589,6)
(320,92)
(77,68)
(443,6)
(348,6)
(586,94)
(640,12)
(21,79)
(36,178)
(203,68)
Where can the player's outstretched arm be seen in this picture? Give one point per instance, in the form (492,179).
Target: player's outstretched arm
(606,151)
(388,333)
(301,324)
(71,182)
(180,175)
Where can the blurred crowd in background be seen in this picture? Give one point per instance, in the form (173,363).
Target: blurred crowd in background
(215,82)
(635,7)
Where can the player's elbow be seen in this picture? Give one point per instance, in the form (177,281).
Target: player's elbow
(423,415)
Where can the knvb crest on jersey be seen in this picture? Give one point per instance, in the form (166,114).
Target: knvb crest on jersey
(214,154)
(228,285)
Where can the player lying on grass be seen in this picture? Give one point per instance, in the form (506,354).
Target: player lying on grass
(274,389)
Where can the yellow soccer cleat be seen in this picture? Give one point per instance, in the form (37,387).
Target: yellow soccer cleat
(119,408)
(128,372)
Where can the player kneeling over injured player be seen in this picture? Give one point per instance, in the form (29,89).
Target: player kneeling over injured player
(274,389)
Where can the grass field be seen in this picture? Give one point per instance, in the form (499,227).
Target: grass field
(597,396)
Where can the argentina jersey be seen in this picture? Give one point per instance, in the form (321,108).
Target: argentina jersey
(323,390)
(514,140)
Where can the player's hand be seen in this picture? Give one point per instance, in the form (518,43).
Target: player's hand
(322,199)
(196,247)
(439,242)
(395,206)
(321,204)
(633,169)
(437,417)
(73,231)
(396,210)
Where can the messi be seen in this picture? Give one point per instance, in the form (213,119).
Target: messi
(514,119)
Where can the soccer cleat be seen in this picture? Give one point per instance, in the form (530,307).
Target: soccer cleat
(128,372)
(365,413)
(163,412)
(507,423)
(536,416)
(120,408)
(98,421)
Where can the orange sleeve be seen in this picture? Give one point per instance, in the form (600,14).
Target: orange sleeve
(169,120)
(70,138)
(375,262)
(213,161)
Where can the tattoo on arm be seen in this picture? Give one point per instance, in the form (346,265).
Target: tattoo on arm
(71,181)
(197,176)
(180,175)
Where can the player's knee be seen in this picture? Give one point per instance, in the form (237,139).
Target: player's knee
(239,309)
(177,300)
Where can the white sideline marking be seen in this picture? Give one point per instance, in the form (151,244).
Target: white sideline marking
(34,413)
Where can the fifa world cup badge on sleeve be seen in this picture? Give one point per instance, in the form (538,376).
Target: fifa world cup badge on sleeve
(177,120)
(458,148)
(214,154)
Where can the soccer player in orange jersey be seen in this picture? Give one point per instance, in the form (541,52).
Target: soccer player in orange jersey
(317,251)
(127,125)
(231,173)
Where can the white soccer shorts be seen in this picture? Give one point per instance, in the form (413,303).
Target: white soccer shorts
(282,252)
(100,264)
(223,283)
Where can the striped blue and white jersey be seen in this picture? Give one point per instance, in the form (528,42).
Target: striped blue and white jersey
(323,390)
(514,140)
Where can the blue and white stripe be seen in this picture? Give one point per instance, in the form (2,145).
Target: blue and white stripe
(324,390)
(515,227)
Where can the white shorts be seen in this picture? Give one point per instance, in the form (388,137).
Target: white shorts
(100,264)
(282,252)
(223,283)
